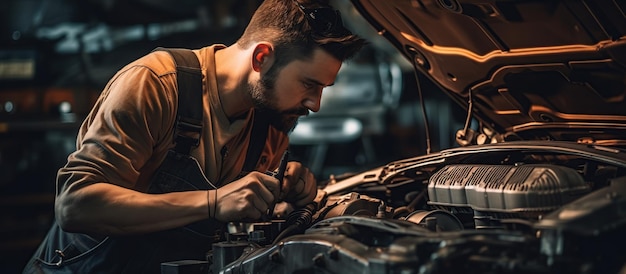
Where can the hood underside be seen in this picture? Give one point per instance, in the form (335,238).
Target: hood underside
(533,69)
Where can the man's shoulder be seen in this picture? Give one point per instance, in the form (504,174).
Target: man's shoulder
(158,61)
(162,63)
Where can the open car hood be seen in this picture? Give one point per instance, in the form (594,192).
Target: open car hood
(553,70)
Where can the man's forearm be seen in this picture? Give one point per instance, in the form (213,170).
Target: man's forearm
(108,209)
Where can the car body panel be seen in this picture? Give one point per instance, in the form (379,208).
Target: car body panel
(532,68)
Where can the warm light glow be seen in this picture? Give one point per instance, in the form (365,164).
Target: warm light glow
(525,52)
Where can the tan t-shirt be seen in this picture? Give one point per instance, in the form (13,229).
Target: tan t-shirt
(128,132)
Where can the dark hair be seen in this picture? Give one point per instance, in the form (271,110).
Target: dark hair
(290,26)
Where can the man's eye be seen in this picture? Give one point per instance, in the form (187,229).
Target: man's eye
(307,85)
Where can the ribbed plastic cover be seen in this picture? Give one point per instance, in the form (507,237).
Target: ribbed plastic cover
(506,188)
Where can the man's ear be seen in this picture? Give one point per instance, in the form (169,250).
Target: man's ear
(261,56)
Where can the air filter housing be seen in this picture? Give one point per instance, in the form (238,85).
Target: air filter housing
(503,188)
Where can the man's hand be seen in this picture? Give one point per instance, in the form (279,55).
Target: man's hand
(299,185)
(245,199)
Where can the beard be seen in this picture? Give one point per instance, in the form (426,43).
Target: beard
(264,99)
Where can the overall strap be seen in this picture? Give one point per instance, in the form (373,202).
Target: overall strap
(257,141)
(189,114)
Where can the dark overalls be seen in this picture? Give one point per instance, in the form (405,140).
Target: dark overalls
(63,252)
(79,253)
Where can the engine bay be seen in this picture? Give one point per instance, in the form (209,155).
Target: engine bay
(520,207)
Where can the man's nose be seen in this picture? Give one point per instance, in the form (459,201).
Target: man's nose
(313,102)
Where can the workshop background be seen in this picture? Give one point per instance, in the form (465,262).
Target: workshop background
(57,55)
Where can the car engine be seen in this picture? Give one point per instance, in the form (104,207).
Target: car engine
(521,207)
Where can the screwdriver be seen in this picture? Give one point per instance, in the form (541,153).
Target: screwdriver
(280,174)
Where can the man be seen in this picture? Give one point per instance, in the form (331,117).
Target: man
(117,210)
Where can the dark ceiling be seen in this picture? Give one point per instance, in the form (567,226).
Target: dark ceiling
(84,42)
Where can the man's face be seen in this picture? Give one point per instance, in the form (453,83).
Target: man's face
(292,91)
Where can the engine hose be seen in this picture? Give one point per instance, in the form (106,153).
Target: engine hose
(297,220)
